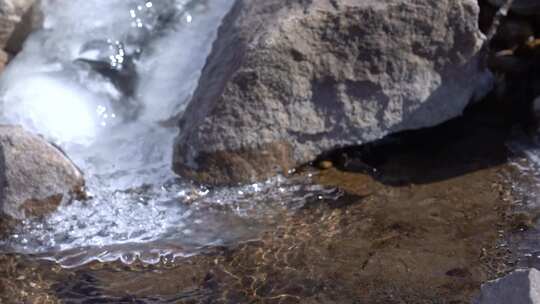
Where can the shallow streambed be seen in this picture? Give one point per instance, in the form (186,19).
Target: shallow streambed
(428,227)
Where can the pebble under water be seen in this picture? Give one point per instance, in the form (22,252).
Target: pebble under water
(102,79)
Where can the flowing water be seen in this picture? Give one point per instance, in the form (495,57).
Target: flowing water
(102,79)
(526,160)
(429,224)
(427,227)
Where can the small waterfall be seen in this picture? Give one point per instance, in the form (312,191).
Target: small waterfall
(102,79)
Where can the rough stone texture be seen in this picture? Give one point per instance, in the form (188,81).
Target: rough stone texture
(35,176)
(17,19)
(289,80)
(519,287)
(525,7)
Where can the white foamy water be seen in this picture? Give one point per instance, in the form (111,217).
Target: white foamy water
(100,79)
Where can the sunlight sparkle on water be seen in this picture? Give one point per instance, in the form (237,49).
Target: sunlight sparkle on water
(100,80)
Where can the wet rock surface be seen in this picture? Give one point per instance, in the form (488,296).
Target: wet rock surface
(520,287)
(288,81)
(35,176)
(17,19)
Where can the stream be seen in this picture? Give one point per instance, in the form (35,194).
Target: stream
(107,80)
(103,80)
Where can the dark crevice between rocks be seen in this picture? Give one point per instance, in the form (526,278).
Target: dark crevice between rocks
(487,14)
(472,142)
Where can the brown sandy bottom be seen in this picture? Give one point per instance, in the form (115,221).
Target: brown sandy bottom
(427,227)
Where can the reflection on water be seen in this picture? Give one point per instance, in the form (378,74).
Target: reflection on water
(398,245)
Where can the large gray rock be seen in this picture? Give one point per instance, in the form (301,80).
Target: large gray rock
(35,176)
(519,287)
(289,80)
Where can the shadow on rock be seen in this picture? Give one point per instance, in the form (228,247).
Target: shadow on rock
(472,142)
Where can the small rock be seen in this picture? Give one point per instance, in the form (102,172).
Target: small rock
(35,176)
(325,165)
(31,19)
(519,287)
(17,19)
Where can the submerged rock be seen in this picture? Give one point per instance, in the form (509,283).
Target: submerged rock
(35,176)
(519,287)
(288,80)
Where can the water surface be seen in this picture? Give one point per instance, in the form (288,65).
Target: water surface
(102,80)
